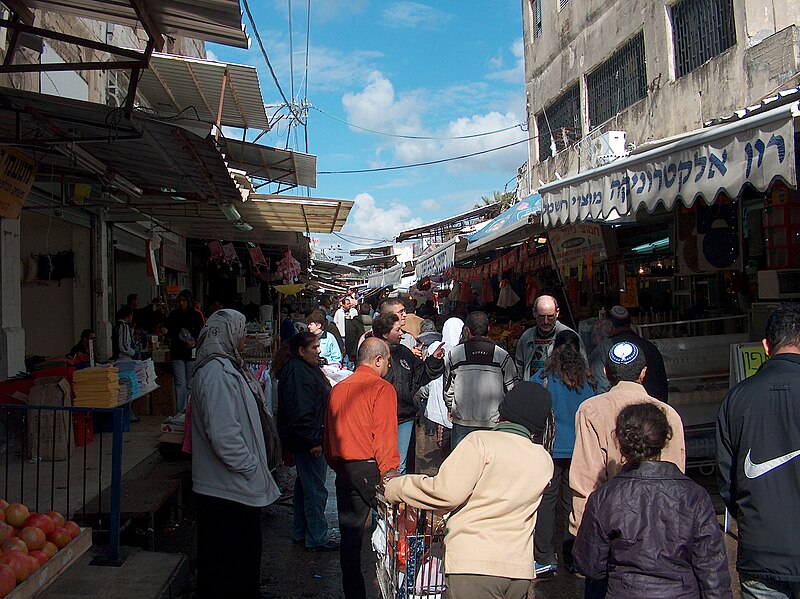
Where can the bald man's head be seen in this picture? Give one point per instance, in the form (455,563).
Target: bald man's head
(374,354)
(545,310)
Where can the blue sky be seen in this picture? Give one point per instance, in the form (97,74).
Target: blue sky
(438,70)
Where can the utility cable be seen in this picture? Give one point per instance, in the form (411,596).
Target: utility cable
(349,124)
(431,162)
(266,58)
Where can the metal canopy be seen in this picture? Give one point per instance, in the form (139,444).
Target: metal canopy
(146,159)
(272,164)
(265,216)
(175,84)
(459,219)
(385,261)
(296,213)
(218,21)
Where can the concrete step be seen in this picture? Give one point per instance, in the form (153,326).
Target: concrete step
(144,575)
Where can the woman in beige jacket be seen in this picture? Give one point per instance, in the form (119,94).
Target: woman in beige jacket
(493,484)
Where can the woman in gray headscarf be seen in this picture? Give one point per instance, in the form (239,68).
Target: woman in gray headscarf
(230,471)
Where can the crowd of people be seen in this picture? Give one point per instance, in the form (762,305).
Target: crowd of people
(521,435)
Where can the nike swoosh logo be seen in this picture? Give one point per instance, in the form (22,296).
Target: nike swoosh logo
(752,470)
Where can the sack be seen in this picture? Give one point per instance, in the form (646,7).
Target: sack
(430,580)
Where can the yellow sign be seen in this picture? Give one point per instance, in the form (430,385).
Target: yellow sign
(746,359)
(17,172)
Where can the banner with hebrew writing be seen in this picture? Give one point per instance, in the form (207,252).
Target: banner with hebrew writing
(753,151)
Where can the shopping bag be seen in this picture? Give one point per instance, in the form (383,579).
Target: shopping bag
(430,581)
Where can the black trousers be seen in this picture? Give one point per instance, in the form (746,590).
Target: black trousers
(355,497)
(557,491)
(234,549)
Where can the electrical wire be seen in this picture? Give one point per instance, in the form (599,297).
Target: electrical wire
(266,58)
(364,238)
(429,163)
(360,244)
(472,136)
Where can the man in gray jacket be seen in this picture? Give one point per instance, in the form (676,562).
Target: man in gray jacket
(536,344)
(477,376)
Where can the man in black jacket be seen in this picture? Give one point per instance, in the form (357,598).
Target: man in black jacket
(758,449)
(655,380)
(407,374)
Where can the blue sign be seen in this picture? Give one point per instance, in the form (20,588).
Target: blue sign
(509,219)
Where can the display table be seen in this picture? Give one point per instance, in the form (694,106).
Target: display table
(49,573)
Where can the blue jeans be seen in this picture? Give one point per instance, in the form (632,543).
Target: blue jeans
(182,371)
(769,589)
(404,432)
(460,431)
(310,497)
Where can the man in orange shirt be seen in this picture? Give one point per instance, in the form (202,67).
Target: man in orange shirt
(361,446)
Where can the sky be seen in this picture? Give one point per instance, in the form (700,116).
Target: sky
(435,70)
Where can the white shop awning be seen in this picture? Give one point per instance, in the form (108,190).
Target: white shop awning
(439,259)
(753,151)
(386,278)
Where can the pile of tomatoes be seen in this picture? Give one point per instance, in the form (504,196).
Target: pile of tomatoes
(28,540)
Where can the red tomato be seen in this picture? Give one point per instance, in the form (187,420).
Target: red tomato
(5,532)
(33,537)
(72,528)
(40,556)
(8,580)
(16,514)
(57,518)
(42,522)
(49,549)
(3,504)
(60,537)
(15,545)
(19,563)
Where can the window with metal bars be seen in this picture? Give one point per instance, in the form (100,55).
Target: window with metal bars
(701,30)
(562,4)
(560,122)
(536,18)
(618,82)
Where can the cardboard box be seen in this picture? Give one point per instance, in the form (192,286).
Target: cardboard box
(49,431)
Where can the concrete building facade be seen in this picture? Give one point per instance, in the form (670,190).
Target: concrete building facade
(650,68)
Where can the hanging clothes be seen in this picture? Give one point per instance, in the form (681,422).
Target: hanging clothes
(487,292)
(531,290)
(507,296)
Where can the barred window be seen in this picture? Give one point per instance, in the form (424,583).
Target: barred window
(701,30)
(536,18)
(562,119)
(562,4)
(618,82)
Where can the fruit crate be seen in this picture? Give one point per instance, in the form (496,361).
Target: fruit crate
(49,573)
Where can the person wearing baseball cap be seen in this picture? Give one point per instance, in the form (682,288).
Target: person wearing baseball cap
(655,382)
(597,457)
(493,483)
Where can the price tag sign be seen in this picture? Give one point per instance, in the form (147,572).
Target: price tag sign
(746,359)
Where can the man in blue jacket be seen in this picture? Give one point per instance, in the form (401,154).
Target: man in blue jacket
(758,449)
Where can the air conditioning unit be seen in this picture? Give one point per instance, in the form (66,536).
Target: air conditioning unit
(606,148)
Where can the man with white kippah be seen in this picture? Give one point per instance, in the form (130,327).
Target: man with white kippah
(597,458)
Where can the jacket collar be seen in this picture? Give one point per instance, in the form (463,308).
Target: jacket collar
(795,358)
(652,470)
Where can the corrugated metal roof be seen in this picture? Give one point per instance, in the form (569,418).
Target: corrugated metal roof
(264,213)
(487,210)
(173,84)
(162,158)
(272,164)
(218,21)
(296,213)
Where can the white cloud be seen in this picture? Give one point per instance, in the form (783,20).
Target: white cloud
(372,221)
(429,204)
(414,15)
(377,107)
(512,74)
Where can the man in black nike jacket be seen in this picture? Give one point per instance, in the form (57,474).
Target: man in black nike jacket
(758,449)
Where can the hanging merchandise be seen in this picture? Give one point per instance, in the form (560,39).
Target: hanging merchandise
(487,293)
(572,291)
(215,248)
(289,289)
(288,269)
(229,252)
(531,290)
(152,247)
(454,292)
(466,293)
(507,297)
